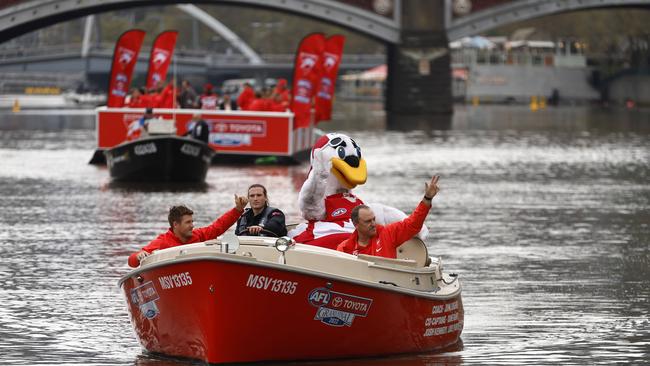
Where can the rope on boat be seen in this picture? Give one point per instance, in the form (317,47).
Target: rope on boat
(388,283)
(453,275)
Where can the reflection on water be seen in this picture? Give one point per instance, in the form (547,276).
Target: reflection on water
(177,187)
(544,215)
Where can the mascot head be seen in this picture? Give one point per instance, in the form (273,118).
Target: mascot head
(347,165)
(336,167)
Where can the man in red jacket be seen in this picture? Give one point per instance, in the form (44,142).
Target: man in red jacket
(182,230)
(372,239)
(246,97)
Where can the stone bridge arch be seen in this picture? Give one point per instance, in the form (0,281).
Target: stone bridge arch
(378,21)
(514,11)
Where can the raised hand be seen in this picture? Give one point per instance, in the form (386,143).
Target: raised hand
(312,193)
(240,202)
(431,189)
(322,166)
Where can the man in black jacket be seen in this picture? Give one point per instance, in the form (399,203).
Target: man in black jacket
(198,128)
(260,219)
(187,97)
(227,103)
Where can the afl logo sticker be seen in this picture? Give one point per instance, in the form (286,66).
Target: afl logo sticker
(319,297)
(339,212)
(337,309)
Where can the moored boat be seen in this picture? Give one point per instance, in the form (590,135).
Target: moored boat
(262,300)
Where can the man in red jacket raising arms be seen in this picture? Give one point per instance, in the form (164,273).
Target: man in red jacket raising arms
(181,230)
(372,239)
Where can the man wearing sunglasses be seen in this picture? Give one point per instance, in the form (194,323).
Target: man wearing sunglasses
(379,240)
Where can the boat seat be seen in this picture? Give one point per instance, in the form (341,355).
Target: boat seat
(159,126)
(291,226)
(412,253)
(388,262)
(414,249)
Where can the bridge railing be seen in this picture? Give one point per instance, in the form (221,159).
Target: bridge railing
(38,82)
(188,55)
(9,53)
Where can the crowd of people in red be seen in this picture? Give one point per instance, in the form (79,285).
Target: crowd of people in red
(164,95)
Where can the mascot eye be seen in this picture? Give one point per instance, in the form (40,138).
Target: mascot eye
(359,152)
(341,151)
(335,142)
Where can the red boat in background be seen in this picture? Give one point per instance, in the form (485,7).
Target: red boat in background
(251,299)
(234,135)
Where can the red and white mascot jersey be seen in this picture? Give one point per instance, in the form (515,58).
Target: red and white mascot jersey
(209,101)
(336,226)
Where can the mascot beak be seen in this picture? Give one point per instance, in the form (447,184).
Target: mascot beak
(348,175)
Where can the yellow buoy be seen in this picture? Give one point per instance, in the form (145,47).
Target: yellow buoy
(533,103)
(475,101)
(16,107)
(542,102)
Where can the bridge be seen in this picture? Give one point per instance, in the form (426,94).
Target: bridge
(416,32)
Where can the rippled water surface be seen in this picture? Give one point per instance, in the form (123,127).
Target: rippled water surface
(545,216)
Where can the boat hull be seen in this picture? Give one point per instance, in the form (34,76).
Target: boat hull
(160,159)
(222,311)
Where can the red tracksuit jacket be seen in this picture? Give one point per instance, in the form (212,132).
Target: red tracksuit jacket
(388,237)
(168,239)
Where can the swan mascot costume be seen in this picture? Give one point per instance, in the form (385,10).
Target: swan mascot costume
(326,200)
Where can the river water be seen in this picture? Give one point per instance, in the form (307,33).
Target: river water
(545,216)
